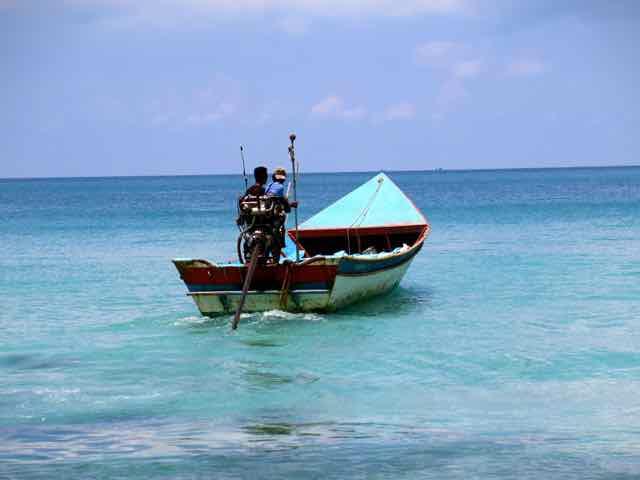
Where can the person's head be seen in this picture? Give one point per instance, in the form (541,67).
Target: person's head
(279,175)
(261,175)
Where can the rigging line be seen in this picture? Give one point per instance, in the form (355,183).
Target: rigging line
(362,215)
(360,218)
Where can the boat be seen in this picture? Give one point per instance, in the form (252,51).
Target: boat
(359,247)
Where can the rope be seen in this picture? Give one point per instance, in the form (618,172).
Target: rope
(363,214)
(360,218)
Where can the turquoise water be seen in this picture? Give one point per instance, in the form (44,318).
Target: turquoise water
(511,350)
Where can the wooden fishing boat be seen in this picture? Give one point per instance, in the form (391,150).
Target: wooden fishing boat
(359,247)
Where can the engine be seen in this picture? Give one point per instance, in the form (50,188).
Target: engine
(261,220)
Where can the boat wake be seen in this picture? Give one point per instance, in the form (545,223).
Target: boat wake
(280,314)
(192,320)
(269,316)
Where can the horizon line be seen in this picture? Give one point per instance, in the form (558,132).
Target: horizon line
(431,170)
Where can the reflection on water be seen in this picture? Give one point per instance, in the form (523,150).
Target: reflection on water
(264,449)
(266,379)
(270,429)
(401,301)
(34,361)
(262,342)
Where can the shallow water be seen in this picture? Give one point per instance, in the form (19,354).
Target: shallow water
(512,348)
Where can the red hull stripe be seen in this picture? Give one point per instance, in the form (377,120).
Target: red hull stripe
(266,278)
(196,288)
(362,231)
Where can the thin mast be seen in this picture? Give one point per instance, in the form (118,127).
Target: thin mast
(292,155)
(244,171)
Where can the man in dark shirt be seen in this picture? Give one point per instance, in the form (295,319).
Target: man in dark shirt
(261,175)
(256,190)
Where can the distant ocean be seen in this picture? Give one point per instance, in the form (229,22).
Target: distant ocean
(511,349)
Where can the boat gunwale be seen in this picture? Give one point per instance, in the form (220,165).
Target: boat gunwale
(366,258)
(257,292)
(372,228)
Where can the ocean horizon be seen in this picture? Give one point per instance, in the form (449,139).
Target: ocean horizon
(345,172)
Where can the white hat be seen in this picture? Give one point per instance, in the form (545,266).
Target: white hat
(279,173)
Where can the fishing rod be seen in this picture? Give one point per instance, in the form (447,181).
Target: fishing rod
(292,155)
(244,171)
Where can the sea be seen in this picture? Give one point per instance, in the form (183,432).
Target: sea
(511,348)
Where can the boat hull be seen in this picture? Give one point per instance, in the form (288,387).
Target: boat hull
(212,304)
(348,280)
(350,289)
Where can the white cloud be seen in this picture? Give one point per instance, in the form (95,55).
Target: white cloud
(400,111)
(225,109)
(294,25)
(468,69)
(333,106)
(160,119)
(323,8)
(330,105)
(275,110)
(527,67)
(434,53)
(213,99)
(354,113)
(452,92)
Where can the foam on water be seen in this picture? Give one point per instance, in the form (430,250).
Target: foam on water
(279,314)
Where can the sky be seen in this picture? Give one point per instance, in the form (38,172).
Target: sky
(174,87)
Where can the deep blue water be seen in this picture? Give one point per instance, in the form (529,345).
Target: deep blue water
(511,350)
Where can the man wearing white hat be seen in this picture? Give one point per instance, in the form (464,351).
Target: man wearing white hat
(276,189)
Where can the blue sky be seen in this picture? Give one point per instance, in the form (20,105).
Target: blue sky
(123,87)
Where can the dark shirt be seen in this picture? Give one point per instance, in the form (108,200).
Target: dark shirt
(256,190)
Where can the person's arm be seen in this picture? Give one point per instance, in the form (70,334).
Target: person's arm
(285,197)
(277,190)
(289,205)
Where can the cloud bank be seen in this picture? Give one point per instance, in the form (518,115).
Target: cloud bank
(434,53)
(333,106)
(527,68)
(321,8)
(468,69)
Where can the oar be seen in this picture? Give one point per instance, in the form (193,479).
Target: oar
(247,282)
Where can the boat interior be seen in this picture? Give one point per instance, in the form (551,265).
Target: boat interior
(358,240)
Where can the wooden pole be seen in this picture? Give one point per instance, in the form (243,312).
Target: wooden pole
(247,282)
(292,154)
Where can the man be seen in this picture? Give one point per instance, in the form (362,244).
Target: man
(257,189)
(276,189)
